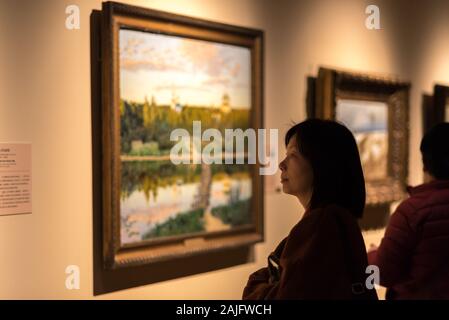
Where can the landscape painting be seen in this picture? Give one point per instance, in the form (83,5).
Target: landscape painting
(167,82)
(368,121)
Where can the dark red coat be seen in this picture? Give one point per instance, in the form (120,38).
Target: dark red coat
(323,257)
(413,256)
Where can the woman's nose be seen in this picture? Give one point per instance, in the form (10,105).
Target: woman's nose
(282,165)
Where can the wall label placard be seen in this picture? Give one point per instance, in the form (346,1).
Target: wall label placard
(15,178)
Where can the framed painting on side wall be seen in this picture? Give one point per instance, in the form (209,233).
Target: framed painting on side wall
(435,108)
(375,109)
(441,103)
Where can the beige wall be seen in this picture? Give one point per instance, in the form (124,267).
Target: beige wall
(46,101)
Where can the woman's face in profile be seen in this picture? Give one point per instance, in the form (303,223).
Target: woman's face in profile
(297,174)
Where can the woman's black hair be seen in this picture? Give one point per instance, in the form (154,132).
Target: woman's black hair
(435,151)
(333,155)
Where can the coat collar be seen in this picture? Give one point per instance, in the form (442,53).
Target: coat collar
(425,187)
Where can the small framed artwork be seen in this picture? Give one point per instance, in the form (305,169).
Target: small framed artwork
(435,108)
(441,103)
(375,109)
(162,74)
(427,108)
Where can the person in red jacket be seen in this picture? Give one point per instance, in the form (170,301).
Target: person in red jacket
(413,256)
(324,256)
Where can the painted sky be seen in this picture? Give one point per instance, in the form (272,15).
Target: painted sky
(197,72)
(360,116)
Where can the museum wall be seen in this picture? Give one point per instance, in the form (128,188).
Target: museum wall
(46,100)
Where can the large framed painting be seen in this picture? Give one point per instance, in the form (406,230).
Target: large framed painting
(435,107)
(160,74)
(375,109)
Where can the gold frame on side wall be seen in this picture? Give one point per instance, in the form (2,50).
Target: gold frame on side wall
(332,84)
